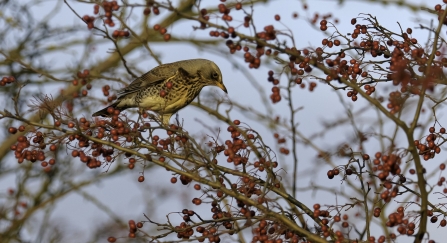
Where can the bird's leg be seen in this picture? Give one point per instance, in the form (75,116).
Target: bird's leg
(140,114)
(165,118)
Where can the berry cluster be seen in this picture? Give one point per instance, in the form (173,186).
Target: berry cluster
(120,33)
(269,231)
(107,17)
(185,232)
(398,219)
(352,94)
(162,31)
(155,9)
(389,191)
(429,148)
(262,164)
(253,61)
(95,154)
(440,11)
(268,34)
(109,7)
(280,140)
(385,165)
(368,88)
(225,11)
(83,79)
(271,78)
(230,44)
(403,56)
(327,229)
(133,227)
(236,149)
(332,173)
(275,96)
(7,80)
(32,148)
(106,92)
(89,20)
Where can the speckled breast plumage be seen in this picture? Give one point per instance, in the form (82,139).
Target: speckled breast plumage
(182,92)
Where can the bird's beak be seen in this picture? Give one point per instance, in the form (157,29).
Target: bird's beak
(220,85)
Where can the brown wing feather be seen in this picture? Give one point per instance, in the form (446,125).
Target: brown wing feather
(154,76)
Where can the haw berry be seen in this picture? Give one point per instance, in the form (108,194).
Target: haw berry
(156,10)
(110,110)
(433,219)
(166,37)
(12,130)
(163,93)
(443,223)
(111,239)
(197,201)
(147,11)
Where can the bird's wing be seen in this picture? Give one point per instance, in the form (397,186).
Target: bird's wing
(153,77)
(139,83)
(183,72)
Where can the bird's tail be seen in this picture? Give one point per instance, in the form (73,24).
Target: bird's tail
(104,112)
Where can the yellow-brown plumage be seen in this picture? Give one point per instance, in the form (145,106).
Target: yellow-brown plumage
(168,88)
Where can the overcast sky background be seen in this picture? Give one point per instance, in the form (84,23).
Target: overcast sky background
(124,195)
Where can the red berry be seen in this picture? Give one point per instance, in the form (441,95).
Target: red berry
(12,130)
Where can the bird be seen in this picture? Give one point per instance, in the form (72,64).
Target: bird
(167,88)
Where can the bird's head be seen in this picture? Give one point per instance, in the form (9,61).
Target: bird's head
(211,74)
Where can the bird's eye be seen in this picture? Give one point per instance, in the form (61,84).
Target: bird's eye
(215,75)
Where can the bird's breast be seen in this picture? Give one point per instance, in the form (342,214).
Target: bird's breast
(175,99)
